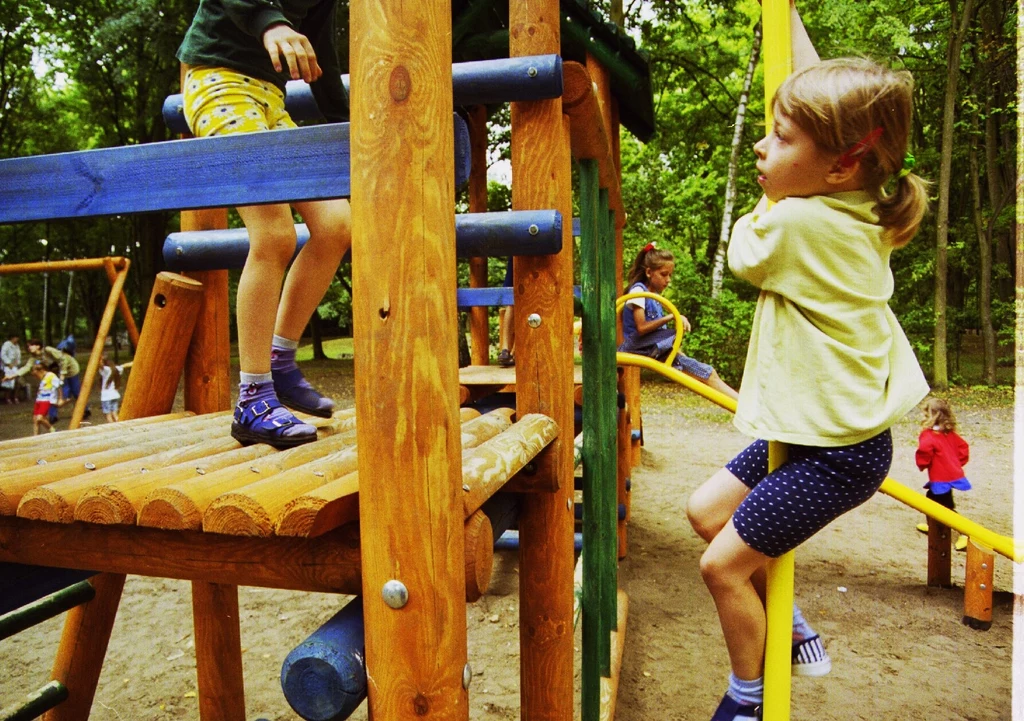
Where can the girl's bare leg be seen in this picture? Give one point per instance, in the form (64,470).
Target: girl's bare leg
(271,246)
(330,236)
(727,568)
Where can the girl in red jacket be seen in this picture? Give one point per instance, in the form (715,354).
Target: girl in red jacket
(944,454)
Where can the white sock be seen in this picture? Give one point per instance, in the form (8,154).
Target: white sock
(280,342)
(746,692)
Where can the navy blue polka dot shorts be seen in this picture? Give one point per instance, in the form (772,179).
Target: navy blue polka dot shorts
(813,488)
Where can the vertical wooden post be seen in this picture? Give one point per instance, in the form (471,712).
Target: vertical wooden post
(939,558)
(479,333)
(83,644)
(541,169)
(159,360)
(978,586)
(406,360)
(218,652)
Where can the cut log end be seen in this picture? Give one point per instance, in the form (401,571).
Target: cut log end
(171,509)
(235,514)
(479,555)
(42,504)
(106,506)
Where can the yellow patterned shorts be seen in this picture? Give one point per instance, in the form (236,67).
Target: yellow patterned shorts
(219,101)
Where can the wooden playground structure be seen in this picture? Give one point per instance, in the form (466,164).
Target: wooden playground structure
(399,521)
(408,521)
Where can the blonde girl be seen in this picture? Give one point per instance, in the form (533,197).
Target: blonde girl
(828,370)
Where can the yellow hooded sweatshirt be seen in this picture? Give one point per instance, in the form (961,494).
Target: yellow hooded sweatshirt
(828,364)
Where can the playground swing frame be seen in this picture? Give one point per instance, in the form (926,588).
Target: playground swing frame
(116,268)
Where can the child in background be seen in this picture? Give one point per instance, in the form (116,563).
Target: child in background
(829,370)
(944,454)
(236,85)
(110,397)
(47,396)
(644,319)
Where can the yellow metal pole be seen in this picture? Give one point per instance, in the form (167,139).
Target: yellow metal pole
(779,612)
(778,63)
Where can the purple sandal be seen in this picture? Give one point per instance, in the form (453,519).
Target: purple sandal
(294,391)
(263,421)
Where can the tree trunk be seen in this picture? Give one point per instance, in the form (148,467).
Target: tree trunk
(316,331)
(616,13)
(985,263)
(995,175)
(718,268)
(957,32)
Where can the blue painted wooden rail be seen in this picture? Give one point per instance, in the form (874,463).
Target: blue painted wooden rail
(483,82)
(285,165)
(521,232)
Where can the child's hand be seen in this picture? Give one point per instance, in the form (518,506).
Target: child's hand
(686,323)
(297,50)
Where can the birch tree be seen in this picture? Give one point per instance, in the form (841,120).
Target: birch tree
(718,268)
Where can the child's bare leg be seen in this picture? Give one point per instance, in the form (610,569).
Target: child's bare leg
(715,381)
(259,416)
(711,506)
(40,422)
(271,246)
(330,236)
(727,568)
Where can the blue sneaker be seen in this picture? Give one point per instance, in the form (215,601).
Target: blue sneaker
(294,391)
(730,709)
(267,421)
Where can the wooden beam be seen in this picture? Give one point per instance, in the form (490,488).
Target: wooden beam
(591,138)
(406,359)
(541,166)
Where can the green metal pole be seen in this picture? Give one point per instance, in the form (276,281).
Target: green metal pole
(45,608)
(36,703)
(608,420)
(596,635)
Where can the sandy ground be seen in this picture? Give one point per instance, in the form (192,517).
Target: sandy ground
(898,647)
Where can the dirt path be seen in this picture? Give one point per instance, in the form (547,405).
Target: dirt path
(898,647)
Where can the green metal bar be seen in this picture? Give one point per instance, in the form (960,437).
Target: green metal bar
(608,420)
(596,634)
(45,608)
(36,703)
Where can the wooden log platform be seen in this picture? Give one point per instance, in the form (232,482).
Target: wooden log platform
(168,503)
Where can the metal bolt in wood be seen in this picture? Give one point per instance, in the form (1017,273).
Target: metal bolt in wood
(395,594)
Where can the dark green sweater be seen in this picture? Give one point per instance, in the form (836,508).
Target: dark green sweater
(229,34)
